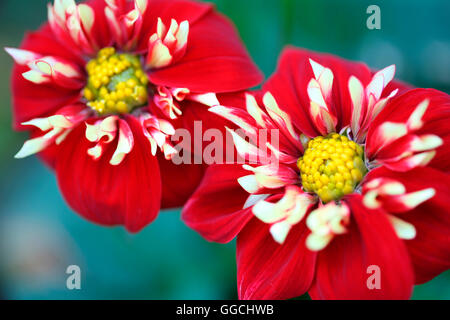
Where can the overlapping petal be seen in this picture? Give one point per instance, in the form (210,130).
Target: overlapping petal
(313,95)
(217,209)
(190,53)
(412,130)
(126,194)
(428,216)
(178,181)
(212,62)
(31,100)
(268,270)
(289,85)
(348,267)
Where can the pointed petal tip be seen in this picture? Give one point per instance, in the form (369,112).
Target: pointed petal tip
(19,155)
(24,152)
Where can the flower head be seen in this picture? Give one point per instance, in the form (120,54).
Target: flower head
(359,178)
(103,86)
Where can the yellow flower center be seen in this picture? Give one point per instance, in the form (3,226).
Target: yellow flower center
(332,166)
(117,83)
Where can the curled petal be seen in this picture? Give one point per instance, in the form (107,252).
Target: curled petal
(271,176)
(324,77)
(285,213)
(324,120)
(125,143)
(409,152)
(396,145)
(392,195)
(54,70)
(325,223)
(56,128)
(102,132)
(282,119)
(411,131)
(361,264)
(125,22)
(425,222)
(158,132)
(166,99)
(310,87)
(202,59)
(32,100)
(126,194)
(74,24)
(167,45)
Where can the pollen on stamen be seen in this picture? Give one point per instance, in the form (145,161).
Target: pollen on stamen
(117,83)
(332,166)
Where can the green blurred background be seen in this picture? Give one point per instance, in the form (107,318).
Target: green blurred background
(40,236)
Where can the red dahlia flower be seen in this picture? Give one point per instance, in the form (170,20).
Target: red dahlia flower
(104,84)
(357,182)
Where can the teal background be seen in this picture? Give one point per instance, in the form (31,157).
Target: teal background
(40,236)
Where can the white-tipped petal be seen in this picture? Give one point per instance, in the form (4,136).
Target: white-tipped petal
(22,57)
(124,145)
(403,229)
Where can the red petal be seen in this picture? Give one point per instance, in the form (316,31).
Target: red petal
(128,194)
(31,100)
(215,209)
(342,268)
(289,86)
(194,111)
(100,29)
(203,127)
(435,120)
(215,60)
(36,101)
(179,10)
(430,249)
(44,42)
(49,154)
(178,181)
(268,270)
(393,85)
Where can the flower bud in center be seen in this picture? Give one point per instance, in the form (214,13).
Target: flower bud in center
(332,166)
(117,83)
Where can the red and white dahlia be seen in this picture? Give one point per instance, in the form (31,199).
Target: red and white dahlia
(358,181)
(104,84)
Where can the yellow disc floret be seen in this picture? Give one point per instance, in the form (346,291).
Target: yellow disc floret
(117,83)
(332,166)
